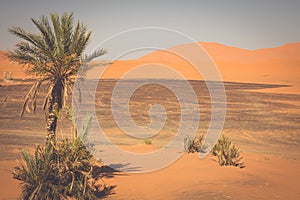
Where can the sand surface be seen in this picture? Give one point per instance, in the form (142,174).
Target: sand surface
(264,125)
(265,177)
(190,178)
(262,89)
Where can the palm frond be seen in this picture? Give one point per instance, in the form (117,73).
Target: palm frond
(32,95)
(23,58)
(87,63)
(43,25)
(75,37)
(25,47)
(93,55)
(55,19)
(48,96)
(21,33)
(67,28)
(27,97)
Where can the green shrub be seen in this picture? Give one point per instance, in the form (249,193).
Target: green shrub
(227,153)
(148,141)
(59,171)
(193,146)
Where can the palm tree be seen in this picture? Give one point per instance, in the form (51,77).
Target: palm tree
(54,55)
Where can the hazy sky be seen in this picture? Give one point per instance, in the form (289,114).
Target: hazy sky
(248,24)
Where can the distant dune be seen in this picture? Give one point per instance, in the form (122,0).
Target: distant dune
(280,65)
(6,66)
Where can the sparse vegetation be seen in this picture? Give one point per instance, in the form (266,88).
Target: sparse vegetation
(57,171)
(193,146)
(227,153)
(148,141)
(61,170)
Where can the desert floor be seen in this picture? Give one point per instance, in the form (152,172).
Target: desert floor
(263,124)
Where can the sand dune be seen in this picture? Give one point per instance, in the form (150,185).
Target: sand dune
(280,65)
(7,66)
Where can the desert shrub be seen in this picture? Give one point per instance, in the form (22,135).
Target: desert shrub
(148,141)
(57,171)
(193,146)
(227,153)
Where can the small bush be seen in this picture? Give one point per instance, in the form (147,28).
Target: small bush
(227,153)
(148,141)
(59,171)
(193,146)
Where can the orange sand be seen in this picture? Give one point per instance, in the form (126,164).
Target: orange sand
(265,177)
(191,178)
(280,65)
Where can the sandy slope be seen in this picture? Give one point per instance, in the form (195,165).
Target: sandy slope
(264,177)
(191,178)
(7,66)
(280,65)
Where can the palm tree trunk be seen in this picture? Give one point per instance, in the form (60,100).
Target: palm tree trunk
(51,125)
(54,106)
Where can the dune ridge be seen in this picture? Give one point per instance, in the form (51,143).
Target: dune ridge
(278,65)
